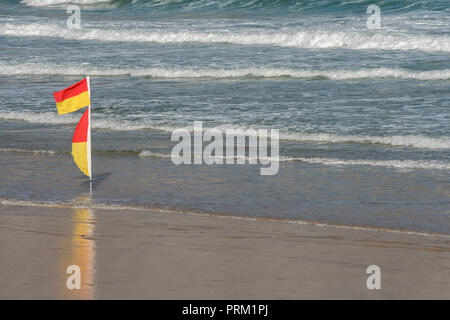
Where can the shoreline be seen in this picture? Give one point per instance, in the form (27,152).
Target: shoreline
(48,204)
(145,254)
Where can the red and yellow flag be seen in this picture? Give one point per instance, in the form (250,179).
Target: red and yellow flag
(81,144)
(69,100)
(73,98)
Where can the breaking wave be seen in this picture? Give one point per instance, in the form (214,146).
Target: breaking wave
(116,124)
(398,164)
(413,141)
(40,3)
(16,150)
(309,39)
(174,73)
(52,118)
(291,5)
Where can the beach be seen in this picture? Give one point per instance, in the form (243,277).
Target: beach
(130,254)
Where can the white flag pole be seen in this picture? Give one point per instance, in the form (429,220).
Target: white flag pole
(89,132)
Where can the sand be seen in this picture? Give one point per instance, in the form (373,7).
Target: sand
(127,254)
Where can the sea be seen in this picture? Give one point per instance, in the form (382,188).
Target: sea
(362,109)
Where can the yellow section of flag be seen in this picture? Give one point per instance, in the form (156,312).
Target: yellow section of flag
(73,98)
(80,156)
(74,103)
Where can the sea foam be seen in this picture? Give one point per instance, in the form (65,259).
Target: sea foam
(255,72)
(120,124)
(310,39)
(40,3)
(398,164)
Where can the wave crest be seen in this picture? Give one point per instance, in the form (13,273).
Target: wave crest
(288,5)
(398,164)
(174,73)
(115,124)
(308,39)
(41,3)
(412,141)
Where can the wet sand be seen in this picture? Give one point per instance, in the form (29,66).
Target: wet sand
(126,254)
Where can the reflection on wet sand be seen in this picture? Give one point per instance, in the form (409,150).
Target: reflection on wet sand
(160,255)
(82,253)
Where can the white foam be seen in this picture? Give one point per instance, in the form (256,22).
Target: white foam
(53,69)
(27,151)
(173,73)
(147,153)
(310,39)
(53,118)
(120,124)
(337,74)
(414,141)
(40,3)
(399,164)
(42,117)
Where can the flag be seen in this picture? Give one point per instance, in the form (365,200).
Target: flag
(73,98)
(81,147)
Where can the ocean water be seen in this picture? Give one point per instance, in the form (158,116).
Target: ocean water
(363,113)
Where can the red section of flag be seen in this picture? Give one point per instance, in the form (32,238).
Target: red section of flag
(71,91)
(81,131)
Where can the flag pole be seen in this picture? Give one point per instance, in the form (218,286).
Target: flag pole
(89,133)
